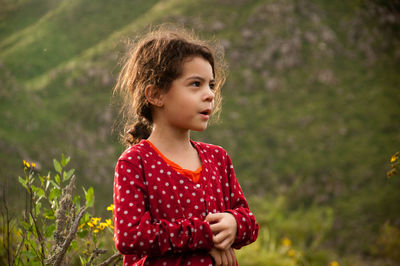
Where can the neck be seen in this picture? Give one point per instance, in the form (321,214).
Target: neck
(170,140)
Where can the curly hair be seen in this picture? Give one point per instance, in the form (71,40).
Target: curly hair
(157,59)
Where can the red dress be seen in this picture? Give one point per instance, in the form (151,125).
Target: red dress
(159,213)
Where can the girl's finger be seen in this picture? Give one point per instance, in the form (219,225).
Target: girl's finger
(224,244)
(224,259)
(218,238)
(216,255)
(233,256)
(217,227)
(229,256)
(214,217)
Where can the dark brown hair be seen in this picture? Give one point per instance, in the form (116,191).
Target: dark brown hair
(157,59)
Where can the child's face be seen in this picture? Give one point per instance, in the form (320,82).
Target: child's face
(189,101)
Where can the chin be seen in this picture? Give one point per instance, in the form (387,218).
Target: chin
(200,129)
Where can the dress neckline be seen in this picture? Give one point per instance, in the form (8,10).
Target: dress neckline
(193,175)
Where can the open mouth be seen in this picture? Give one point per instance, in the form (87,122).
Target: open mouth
(206,112)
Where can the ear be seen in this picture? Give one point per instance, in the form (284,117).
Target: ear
(154,96)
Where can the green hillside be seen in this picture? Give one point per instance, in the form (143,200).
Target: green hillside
(310,111)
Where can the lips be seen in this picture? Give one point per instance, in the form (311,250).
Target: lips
(206,112)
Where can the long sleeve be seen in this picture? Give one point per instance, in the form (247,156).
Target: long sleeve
(136,232)
(247,227)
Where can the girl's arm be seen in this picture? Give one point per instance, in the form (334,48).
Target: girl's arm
(135,233)
(247,227)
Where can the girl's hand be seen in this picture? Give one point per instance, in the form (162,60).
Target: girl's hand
(223,257)
(224,228)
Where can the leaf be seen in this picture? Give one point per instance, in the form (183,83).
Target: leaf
(54,194)
(58,180)
(55,184)
(39,191)
(83,233)
(25,225)
(41,180)
(49,214)
(77,201)
(86,217)
(63,162)
(23,182)
(49,230)
(74,244)
(37,208)
(67,175)
(38,200)
(89,195)
(83,260)
(57,166)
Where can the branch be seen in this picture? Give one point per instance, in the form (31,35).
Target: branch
(95,253)
(57,258)
(110,259)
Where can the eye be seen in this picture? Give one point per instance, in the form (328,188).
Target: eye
(196,83)
(212,86)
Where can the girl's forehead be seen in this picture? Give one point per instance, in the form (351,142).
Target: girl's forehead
(197,66)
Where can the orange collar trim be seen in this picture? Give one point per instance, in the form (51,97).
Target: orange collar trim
(193,175)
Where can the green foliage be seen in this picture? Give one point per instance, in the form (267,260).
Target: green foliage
(45,233)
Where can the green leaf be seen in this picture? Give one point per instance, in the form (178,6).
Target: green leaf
(67,175)
(58,180)
(25,225)
(77,201)
(89,195)
(94,238)
(86,217)
(55,184)
(48,214)
(83,233)
(54,194)
(37,208)
(83,260)
(23,182)
(50,230)
(57,166)
(41,180)
(74,244)
(39,191)
(64,161)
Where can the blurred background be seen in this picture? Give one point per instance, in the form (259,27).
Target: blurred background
(310,111)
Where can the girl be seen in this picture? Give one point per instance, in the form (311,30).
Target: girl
(177,201)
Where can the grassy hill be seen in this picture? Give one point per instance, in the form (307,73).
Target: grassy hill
(310,111)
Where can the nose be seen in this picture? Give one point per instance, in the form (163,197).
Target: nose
(209,95)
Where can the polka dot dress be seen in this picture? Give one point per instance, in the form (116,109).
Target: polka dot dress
(159,213)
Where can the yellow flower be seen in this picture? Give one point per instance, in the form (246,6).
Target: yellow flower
(286,242)
(394,157)
(96,231)
(33,165)
(334,263)
(95,220)
(27,164)
(90,224)
(102,226)
(392,171)
(110,208)
(81,226)
(292,252)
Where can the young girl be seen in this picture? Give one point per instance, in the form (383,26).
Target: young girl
(176,201)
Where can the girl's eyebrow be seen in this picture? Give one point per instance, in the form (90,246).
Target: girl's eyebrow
(199,78)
